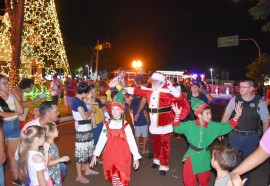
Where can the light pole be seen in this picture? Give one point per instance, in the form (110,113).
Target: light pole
(93,50)
(87,70)
(211,70)
(254,41)
(136,64)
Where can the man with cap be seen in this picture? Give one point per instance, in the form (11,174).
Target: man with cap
(200,134)
(195,93)
(160,98)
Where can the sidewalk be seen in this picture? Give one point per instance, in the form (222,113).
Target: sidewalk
(63,116)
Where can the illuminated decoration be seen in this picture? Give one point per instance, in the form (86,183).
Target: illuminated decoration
(136,64)
(202,77)
(43,52)
(194,76)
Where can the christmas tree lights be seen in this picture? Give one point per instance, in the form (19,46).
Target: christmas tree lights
(43,52)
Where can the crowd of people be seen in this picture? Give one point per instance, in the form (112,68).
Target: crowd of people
(157,106)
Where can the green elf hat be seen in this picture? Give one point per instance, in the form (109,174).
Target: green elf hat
(197,105)
(119,100)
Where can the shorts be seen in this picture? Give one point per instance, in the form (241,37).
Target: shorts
(141,131)
(11,129)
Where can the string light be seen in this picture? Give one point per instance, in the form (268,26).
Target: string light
(42,44)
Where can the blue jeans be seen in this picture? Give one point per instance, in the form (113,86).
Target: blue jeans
(11,129)
(63,169)
(28,181)
(2,176)
(97,131)
(246,144)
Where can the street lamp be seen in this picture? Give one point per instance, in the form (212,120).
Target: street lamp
(87,70)
(211,70)
(136,64)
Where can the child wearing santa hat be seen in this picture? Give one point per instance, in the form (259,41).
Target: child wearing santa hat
(120,144)
(200,134)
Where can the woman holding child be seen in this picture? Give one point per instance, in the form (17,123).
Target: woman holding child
(84,145)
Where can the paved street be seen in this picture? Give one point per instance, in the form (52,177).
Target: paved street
(145,176)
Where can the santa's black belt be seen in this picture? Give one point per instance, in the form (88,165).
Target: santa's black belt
(196,148)
(84,122)
(160,110)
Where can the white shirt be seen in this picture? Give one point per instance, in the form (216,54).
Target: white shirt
(11,104)
(34,167)
(54,84)
(31,123)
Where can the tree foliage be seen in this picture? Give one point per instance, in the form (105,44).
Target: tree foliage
(258,71)
(261,11)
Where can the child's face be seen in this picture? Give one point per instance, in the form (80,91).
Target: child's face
(55,132)
(40,140)
(51,135)
(36,111)
(94,92)
(103,99)
(105,109)
(116,112)
(206,115)
(89,95)
(214,162)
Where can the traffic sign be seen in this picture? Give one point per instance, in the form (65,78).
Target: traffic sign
(228,41)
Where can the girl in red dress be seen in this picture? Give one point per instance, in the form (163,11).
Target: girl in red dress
(120,144)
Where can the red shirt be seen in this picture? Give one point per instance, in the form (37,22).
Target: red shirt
(267,95)
(71,89)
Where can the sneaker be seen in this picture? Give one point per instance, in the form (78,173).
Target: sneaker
(150,156)
(162,172)
(154,166)
(17,182)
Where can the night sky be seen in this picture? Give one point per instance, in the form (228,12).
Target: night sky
(167,35)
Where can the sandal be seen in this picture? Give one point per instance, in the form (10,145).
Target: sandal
(82,180)
(91,172)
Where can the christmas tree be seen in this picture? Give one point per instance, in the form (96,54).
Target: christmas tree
(43,52)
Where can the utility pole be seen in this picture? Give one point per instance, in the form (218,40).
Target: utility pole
(96,71)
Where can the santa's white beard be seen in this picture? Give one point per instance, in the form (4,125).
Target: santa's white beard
(157,84)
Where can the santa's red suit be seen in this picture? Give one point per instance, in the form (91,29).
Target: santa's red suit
(161,118)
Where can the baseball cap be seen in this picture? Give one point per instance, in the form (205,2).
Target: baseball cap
(196,83)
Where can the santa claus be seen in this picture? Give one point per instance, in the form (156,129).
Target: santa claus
(160,98)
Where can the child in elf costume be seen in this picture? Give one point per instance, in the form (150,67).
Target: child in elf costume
(200,134)
(120,144)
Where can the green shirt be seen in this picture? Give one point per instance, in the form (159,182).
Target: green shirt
(201,136)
